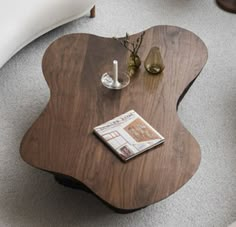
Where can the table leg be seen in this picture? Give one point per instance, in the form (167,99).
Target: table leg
(93,12)
(72,183)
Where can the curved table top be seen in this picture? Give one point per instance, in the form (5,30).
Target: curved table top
(62,139)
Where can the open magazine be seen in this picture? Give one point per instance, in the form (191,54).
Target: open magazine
(128,135)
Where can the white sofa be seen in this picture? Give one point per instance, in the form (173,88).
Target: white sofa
(22,21)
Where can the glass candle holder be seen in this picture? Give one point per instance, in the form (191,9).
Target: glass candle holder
(115,80)
(107,80)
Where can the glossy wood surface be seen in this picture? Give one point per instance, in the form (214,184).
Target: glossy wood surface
(228,5)
(61,140)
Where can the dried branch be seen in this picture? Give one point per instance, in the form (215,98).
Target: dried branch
(133,47)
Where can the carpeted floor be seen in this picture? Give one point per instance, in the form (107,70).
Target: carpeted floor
(29,197)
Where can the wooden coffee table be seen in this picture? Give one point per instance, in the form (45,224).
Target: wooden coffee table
(61,141)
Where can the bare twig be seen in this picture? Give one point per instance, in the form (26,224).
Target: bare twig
(133,47)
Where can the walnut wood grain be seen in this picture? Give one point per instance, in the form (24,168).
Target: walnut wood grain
(228,5)
(61,140)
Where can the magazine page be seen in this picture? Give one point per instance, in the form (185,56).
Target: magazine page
(128,135)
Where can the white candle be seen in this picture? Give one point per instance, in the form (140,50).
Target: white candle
(115,71)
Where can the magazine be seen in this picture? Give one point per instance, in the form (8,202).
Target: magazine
(128,135)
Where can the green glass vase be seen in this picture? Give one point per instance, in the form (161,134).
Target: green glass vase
(134,63)
(153,62)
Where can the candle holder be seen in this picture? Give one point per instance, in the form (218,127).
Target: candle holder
(108,81)
(115,80)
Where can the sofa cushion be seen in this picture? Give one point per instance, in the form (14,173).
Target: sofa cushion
(25,20)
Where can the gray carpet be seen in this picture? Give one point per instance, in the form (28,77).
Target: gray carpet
(29,197)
